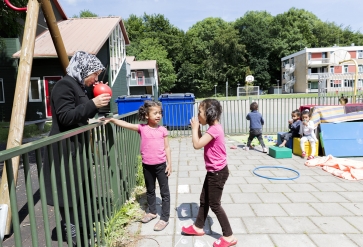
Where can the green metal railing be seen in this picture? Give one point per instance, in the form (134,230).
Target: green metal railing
(105,159)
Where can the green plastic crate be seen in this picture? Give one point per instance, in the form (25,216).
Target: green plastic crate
(280,153)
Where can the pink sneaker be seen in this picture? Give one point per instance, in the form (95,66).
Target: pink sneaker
(303,154)
(221,242)
(311,157)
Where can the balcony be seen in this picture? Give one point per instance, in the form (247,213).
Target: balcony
(142,81)
(313,76)
(317,62)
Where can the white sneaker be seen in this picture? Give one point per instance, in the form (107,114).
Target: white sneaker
(264,150)
(246,148)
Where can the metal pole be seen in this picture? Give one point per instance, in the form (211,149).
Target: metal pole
(355,76)
(215,91)
(227,88)
(17,120)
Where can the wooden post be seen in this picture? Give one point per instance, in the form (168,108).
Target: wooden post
(17,120)
(54,32)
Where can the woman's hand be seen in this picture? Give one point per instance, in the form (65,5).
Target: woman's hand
(168,170)
(102,100)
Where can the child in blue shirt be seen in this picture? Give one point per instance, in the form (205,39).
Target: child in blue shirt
(256,123)
(294,128)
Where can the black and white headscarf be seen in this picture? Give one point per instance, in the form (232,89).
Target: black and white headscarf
(83,64)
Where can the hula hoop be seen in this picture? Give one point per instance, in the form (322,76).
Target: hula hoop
(274,178)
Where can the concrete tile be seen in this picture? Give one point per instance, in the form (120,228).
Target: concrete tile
(268,209)
(356,238)
(200,174)
(331,209)
(236,224)
(183,174)
(351,186)
(288,240)
(252,188)
(257,180)
(148,229)
(196,188)
(328,187)
(299,209)
(352,196)
(355,208)
(332,240)
(179,223)
(262,225)
(238,210)
(298,225)
(183,188)
(245,198)
(277,188)
(190,181)
(189,198)
(357,222)
(155,241)
(240,174)
(302,187)
(329,197)
(301,197)
(273,198)
(236,180)
(254,240)
(333,225)
(231,188)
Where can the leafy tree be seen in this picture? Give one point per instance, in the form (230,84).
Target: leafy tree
(150,49)
(10,26)
(85,13)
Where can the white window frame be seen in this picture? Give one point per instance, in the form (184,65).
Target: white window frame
(360,68)
(133,76)
(331,69)
(2,92)
(39,90)
(360,54)
(345,69)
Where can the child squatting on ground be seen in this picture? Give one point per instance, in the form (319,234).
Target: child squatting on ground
(256,123)
(307,134)
(156,159)
(215,158)
(294,128)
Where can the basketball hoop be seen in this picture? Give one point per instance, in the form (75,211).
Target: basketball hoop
(339,56)
(250,78)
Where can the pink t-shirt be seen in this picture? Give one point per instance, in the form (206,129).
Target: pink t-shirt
(215,155)
(152,146)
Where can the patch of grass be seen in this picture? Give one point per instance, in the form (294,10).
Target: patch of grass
(29,130)
(116,230)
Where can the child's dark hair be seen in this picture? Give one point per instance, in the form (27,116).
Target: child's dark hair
(144,109)
(254,106)
(213,110)
(296,112)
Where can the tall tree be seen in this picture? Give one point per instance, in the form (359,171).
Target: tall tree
(85,13)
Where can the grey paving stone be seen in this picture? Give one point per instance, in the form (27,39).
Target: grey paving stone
(231,188)
(236,224)
(268,209)
(238,210)
(277,188)
(257,180)
(355,208)
(252,188)
(332,240)
(196,188)
(328,187)
(190,181)
(254,240)
(352,196)
(333,225)
(200,174)
(351,186)
(301,197)
(299,209)
(327,179)
(245,198)
(329,197)
(331,209)
(155,241)
(236,180)
(302,187)
(148,229)
(288,240)
(356,238)
(183,174)
(357,222)
(262,225)
(273,197)
(188,198)
(240,174)
(298,225)
(180,222)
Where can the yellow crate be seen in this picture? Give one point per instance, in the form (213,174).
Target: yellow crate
(297,150)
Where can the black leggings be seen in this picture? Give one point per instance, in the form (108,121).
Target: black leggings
(255,133)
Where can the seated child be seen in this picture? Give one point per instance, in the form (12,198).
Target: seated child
(307,134)
(294,128)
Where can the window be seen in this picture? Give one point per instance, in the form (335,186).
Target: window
(34,90)
(133,76)
(323,55)
(2,97)
(345,70)
(348,83)
(309,56)
(360,68)
(360,54)
(331,69)
(292,60)
(360,83)
(335,83)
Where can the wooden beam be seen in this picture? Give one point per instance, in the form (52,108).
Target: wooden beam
(17,120)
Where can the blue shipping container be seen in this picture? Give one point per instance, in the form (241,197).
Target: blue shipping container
(130,103)
(177,109)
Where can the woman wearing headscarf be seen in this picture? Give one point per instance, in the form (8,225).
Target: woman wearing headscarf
(71,108)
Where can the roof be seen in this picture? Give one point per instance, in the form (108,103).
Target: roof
(148,64)
(60,9)
(79,34)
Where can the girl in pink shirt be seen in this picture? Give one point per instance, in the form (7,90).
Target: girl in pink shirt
(215,158)
(156,159)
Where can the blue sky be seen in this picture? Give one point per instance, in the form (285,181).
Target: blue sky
(184,13)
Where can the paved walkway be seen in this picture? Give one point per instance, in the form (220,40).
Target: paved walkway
(317,209)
